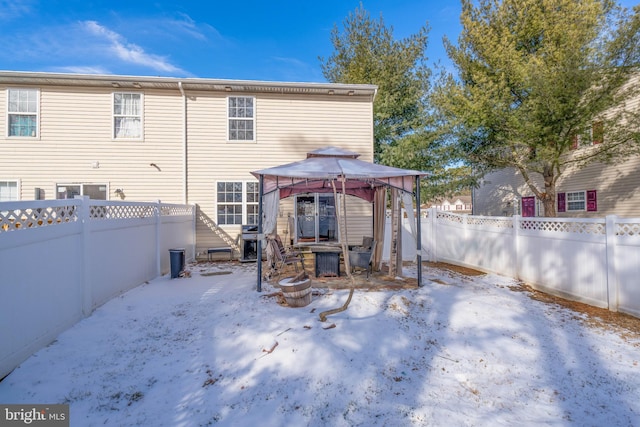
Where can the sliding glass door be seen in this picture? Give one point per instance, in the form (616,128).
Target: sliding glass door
(316,218)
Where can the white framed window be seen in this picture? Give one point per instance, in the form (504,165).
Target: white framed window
(252,203)
(237,202)
(69,191)
(241,118)
(127,115)
(23,107)
(594,135)
(9,191)
(576,201)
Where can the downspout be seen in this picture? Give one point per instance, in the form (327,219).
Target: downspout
(184,145)
(185,174)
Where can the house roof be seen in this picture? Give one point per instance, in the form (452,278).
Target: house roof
(451,200)
(174,83)
(327,166)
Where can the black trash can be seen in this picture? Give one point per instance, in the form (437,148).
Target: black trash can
(176,256)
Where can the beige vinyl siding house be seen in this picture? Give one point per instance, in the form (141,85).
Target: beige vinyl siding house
(616,189)
(596,190)
(176,140)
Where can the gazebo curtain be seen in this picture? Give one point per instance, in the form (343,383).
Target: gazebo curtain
(270,206)
(407,201)
(379,221)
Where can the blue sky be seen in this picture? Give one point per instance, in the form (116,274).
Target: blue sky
(253,40)
(249,40)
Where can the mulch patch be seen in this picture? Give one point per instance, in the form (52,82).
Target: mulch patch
(627,325)
(456,268)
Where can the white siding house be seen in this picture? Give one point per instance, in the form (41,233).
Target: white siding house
(597,190)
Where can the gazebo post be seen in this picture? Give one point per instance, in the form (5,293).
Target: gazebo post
(418,232)
(259,243)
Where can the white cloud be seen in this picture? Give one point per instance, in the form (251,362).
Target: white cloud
(189,26)
(83,70)
(10,9)
(129,52)
(291,61)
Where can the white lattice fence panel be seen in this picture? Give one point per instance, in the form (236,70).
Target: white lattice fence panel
(121,211)
(628,229)
(483,221)
(449,217)
(576,227)
(36,217)
(176,210)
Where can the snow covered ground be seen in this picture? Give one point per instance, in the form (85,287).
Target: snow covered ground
(210,350)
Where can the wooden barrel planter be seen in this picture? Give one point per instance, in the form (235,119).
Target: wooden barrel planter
(297,294)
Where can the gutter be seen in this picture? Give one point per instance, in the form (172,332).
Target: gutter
(148,82)
(184,145)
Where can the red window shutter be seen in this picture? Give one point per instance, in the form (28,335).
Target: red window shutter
(562,205)
(574,142)
(597,132)
(592,201)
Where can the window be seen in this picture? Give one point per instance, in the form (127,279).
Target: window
(241,118)
(576,201)
(593,136)
(237,202)
(22,112)
(8,191)
(252,203)
(127,115)
(69,191)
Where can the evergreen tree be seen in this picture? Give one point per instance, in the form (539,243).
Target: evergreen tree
(405,131)
(366,52)
(537,76)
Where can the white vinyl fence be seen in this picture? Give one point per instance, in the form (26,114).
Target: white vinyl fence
(60,259)
(595,261)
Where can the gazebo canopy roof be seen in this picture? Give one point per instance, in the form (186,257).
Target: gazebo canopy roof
(316,173)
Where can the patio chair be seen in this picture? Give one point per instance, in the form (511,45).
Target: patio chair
(362,257)
(278,259)
(283,250)
(367,242)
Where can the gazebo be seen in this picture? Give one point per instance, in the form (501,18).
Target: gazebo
(335,170)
